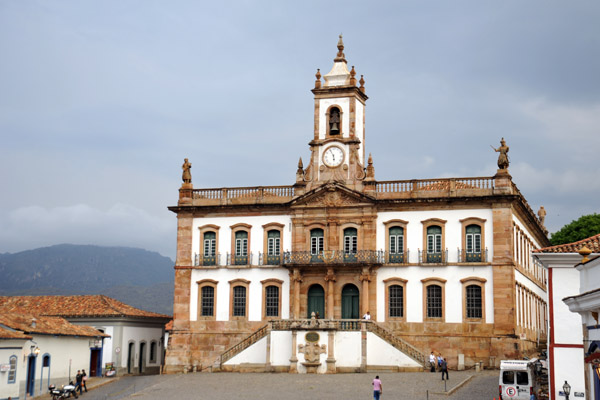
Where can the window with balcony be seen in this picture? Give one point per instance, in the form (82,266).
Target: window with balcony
(209,255)
(396,245)
(473,244)
(317,243)
(241,248)
(273,247)
(350,244)
(434,244)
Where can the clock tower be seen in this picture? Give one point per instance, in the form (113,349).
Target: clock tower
(337,149)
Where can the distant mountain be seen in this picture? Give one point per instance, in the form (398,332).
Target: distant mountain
(138,277)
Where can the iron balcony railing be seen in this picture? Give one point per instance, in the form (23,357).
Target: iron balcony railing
(333,257)
(433,258)
(270,259)
(397,258)
(467,257)
(205,261)
(233,259)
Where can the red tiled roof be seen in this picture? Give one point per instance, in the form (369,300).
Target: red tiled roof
(30,324)
(592,243)
(73,306)
(10,334)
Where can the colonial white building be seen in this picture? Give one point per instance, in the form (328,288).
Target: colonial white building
(574,304)
(440,264)
(135,338)
(36,351)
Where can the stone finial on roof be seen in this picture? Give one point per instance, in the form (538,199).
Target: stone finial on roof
(362,84)
(353,76)
(318,81)
(584,252)
(370,168)
(340,57)
(300,171)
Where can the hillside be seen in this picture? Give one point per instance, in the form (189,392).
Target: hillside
(137,277)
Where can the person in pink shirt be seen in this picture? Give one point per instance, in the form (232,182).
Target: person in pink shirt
(377,388)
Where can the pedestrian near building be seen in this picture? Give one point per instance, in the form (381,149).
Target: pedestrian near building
(84,379)
(439,361)
(432,361)
(444,367)
(78,381)
(367,316)
(377,388)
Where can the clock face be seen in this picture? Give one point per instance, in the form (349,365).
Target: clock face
(333,156)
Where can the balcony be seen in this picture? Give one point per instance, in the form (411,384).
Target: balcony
(333,257)
(232,259)
(433,258)
(397,258)
(471,257)
(206,261)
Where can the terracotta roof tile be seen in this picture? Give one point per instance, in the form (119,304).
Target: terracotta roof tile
(592,243)
(29,324)
(11,334)
(169,326)
(74,306)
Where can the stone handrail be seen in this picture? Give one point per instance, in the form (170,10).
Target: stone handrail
(243,192)
(244,344)
(398,343)
(445,184)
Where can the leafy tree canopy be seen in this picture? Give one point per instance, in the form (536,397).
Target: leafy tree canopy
(584,227)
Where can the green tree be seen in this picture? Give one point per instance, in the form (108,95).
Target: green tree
(584,227)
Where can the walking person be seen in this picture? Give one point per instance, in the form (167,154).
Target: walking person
(78,381)
(432,360)
(445,369)
(84,379)
(377,388)
(439,361)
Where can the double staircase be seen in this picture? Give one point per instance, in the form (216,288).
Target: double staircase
(328,325)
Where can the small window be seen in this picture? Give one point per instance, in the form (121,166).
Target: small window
(210,244)
(396,301)
(522,378)
(473,239)
(153,352)
(350,240)
(272,301)
(239,301)
(508,377)
(241,248)
(208,301)
(273,242)
(12,372)
(474,306)
(434,301)
(46,361)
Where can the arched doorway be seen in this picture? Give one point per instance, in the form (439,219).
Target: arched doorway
(29,383)
(130,358)
(142,359)
(316,301)
(350,302)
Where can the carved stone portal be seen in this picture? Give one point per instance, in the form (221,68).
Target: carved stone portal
(312,352)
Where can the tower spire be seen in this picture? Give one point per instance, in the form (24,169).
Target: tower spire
(340,57)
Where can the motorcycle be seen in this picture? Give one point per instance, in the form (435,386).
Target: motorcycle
(65,392)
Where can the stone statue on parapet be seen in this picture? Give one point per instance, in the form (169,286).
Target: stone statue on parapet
(503,157)
(542,215)
(187,175)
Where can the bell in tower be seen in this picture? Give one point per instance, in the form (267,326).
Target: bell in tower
(334,121)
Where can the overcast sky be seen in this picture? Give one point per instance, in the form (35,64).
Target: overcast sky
(100,102)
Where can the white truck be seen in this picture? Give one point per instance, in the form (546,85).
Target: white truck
(517,379)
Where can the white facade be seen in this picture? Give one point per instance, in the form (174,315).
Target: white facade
(57,363)
(565,339)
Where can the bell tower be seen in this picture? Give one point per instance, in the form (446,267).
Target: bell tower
(337,149)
